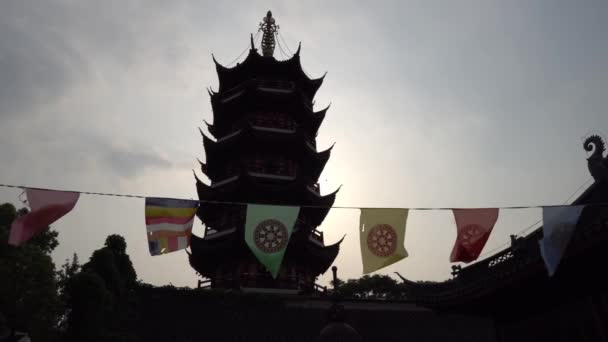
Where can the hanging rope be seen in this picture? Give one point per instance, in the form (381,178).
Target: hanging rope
(285,55)
(303,205)
(237,58)
(285,43)
(533,225)
(245,50)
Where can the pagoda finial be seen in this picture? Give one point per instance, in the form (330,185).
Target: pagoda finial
(269,29)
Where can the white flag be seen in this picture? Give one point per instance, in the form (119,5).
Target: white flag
(558,226)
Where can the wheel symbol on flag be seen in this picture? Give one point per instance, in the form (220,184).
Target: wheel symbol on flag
(270,236)
(382,240)
(470,234)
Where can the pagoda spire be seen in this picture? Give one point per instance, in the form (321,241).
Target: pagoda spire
(269,29)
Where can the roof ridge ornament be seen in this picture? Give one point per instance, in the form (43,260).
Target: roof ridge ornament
(596,162)
(269,29)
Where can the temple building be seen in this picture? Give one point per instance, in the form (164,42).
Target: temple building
(513,289)
(264,151)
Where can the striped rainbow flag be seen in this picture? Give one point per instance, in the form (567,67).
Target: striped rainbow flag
(169,224)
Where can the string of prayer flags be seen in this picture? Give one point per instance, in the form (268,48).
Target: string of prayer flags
(169,224)
(558,225)
(382,235)
(474,227)
(46,207)
(267,232)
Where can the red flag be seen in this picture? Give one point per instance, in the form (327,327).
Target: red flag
(474,228)
(46,206)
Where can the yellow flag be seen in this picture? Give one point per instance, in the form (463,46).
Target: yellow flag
(382,233)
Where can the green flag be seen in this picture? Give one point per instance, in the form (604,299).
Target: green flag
(267,233)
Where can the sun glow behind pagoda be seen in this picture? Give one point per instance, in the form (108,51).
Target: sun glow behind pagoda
(264,152)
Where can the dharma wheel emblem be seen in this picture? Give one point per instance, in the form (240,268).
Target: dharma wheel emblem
(270,236)
(470,234)
(382,240)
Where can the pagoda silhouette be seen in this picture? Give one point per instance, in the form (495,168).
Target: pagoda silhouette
(264,152)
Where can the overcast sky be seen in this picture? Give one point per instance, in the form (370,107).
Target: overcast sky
(434,104)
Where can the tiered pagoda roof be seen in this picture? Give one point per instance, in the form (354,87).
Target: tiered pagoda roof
(262,149)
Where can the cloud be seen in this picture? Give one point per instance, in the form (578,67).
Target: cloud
(68,157)
(36,66)
(433,103)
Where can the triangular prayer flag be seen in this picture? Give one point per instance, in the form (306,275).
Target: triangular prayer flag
(267,232)
(169,224)
(382,234)
(473,230)
(558,225)
(47,206)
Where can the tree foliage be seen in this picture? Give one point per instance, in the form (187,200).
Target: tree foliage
(113,265)
(90,306)
(28,290)
(372,287)
(97,296)
(68,270)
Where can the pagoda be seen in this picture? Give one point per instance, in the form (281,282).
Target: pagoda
(264,152)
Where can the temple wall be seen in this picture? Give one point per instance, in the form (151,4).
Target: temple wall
(198,315)
(582,319)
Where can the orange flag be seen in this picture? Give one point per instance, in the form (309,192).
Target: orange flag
(474,227)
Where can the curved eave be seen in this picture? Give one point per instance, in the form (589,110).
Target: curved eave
(203,190)
(321,159)
(204,168)
(212,147)
(315,216)
(322,256)
(317,119)
(206,252)
(210,128)
(208,145)
(254,62)
(323,201)
(311,86)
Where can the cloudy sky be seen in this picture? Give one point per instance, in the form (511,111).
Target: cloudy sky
(434,104)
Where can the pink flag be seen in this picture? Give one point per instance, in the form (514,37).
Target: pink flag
(47,206)
(474,228)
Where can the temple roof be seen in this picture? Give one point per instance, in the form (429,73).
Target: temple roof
(245,188)
(219,246)
(257,66)
(223,120)
(266,139)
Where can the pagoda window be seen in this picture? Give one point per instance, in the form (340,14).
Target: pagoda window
(233,94)
(276,86)
(274,120)
(231,169)
(257,164)
(284,167)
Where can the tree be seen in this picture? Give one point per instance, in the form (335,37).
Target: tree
(113,265)
(90,306)
(66,273)
(118,246)
(96,297)
(372,287)
(28,290)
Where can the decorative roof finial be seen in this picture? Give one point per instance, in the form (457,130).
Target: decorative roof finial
(269,29)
